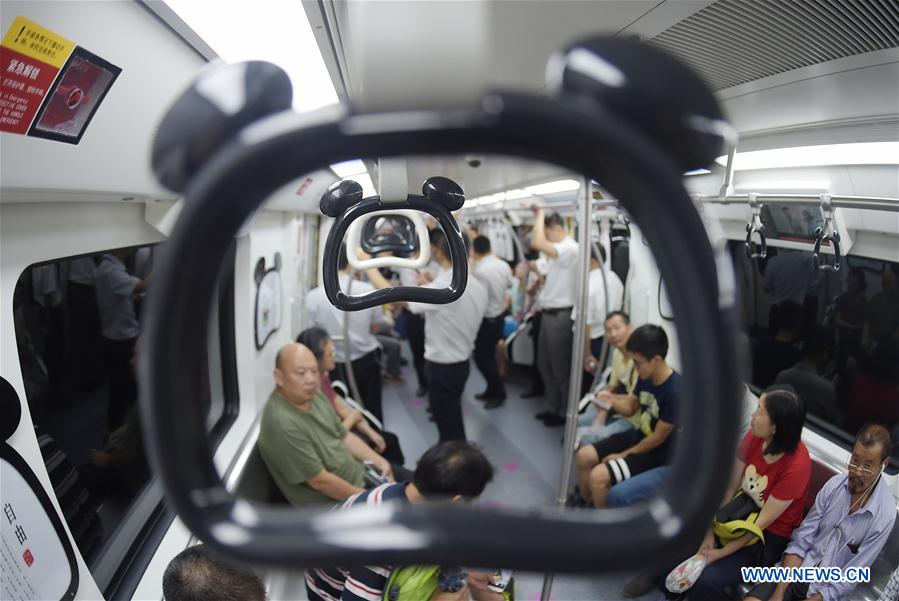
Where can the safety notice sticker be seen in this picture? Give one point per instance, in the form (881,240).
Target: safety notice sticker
(49,86)
(30,59)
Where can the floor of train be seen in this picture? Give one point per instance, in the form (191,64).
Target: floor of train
(527,457)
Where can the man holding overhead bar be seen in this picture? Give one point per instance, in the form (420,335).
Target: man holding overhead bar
(556,300)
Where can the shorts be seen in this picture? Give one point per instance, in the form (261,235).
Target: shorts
(623,469)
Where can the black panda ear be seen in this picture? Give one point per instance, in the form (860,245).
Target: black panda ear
(443,190)
(277,261)
(10,408)
(653,91)
(340,196)
(259,272)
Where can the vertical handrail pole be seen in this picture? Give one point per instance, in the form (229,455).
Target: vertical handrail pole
(577,353)
(347,362)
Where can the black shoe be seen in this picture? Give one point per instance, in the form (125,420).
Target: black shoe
(543,415)
(554,419)
(493,403)
(640,585)
(421,391)
(482,396)
(576,501)
(532,393)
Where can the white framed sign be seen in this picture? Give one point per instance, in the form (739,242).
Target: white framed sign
(268,300)
(35,552)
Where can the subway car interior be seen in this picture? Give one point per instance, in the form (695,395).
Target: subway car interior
(536,300)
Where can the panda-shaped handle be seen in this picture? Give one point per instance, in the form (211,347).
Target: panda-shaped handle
(345,203)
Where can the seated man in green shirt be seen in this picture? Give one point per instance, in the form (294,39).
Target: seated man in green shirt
(310,455)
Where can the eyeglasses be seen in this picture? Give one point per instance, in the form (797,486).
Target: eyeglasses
(861,470)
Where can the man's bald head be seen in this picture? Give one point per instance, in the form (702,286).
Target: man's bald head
(296,373)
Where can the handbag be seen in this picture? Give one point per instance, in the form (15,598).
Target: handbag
(737,517)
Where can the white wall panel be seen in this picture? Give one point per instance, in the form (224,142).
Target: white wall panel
(114,154)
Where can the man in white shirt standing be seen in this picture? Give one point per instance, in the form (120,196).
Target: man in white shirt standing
(556,300)
(450,332)
(496,276)
(598,308)
(361,329)
(116,290)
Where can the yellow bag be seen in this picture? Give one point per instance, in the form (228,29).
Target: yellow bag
(736,518)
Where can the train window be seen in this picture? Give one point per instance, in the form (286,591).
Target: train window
(834,336)
(78,328)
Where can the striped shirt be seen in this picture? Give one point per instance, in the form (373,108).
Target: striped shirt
(357,584)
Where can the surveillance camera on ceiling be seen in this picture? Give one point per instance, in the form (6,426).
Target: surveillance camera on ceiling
(474,161)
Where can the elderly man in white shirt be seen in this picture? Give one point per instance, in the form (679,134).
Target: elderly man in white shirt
(364,348)
(496,276)
(556,301)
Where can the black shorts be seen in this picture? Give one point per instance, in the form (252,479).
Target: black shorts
(630,466)
(797,591)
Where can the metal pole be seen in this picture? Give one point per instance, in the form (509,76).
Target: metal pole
(577,355)
(604,352)
(728,188)
(348,364)
(871,203)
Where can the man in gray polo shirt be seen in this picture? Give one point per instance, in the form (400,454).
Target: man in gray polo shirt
(556,300)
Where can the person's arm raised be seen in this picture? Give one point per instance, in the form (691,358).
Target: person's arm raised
(538,235)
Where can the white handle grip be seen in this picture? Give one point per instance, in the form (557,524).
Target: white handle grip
(354,234)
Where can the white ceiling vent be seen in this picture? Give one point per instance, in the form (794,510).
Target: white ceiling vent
(732,42)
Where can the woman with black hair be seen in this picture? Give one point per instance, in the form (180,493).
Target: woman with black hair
(387,444)
(773,468)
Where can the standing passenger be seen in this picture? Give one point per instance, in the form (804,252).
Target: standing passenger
(116,290)
(496,275)
(450,332)
(361,328)
(598,307)
(556,301)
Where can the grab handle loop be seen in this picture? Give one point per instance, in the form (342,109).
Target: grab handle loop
(755,226)
(355,243)
(827,233)
(344,202)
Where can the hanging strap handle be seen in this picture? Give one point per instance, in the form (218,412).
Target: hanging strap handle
(755,226)
(827,233)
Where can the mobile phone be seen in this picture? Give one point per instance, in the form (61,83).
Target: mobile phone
(501,580)
(373,473)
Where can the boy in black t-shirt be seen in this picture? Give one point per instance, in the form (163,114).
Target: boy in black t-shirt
(621,456)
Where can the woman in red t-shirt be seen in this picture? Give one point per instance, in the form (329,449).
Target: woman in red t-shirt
(773,467)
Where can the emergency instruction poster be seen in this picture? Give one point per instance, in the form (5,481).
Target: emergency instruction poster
(36,557)
(30,57)
(49,86)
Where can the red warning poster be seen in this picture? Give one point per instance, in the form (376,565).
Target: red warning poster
(49,87)
(30,59)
